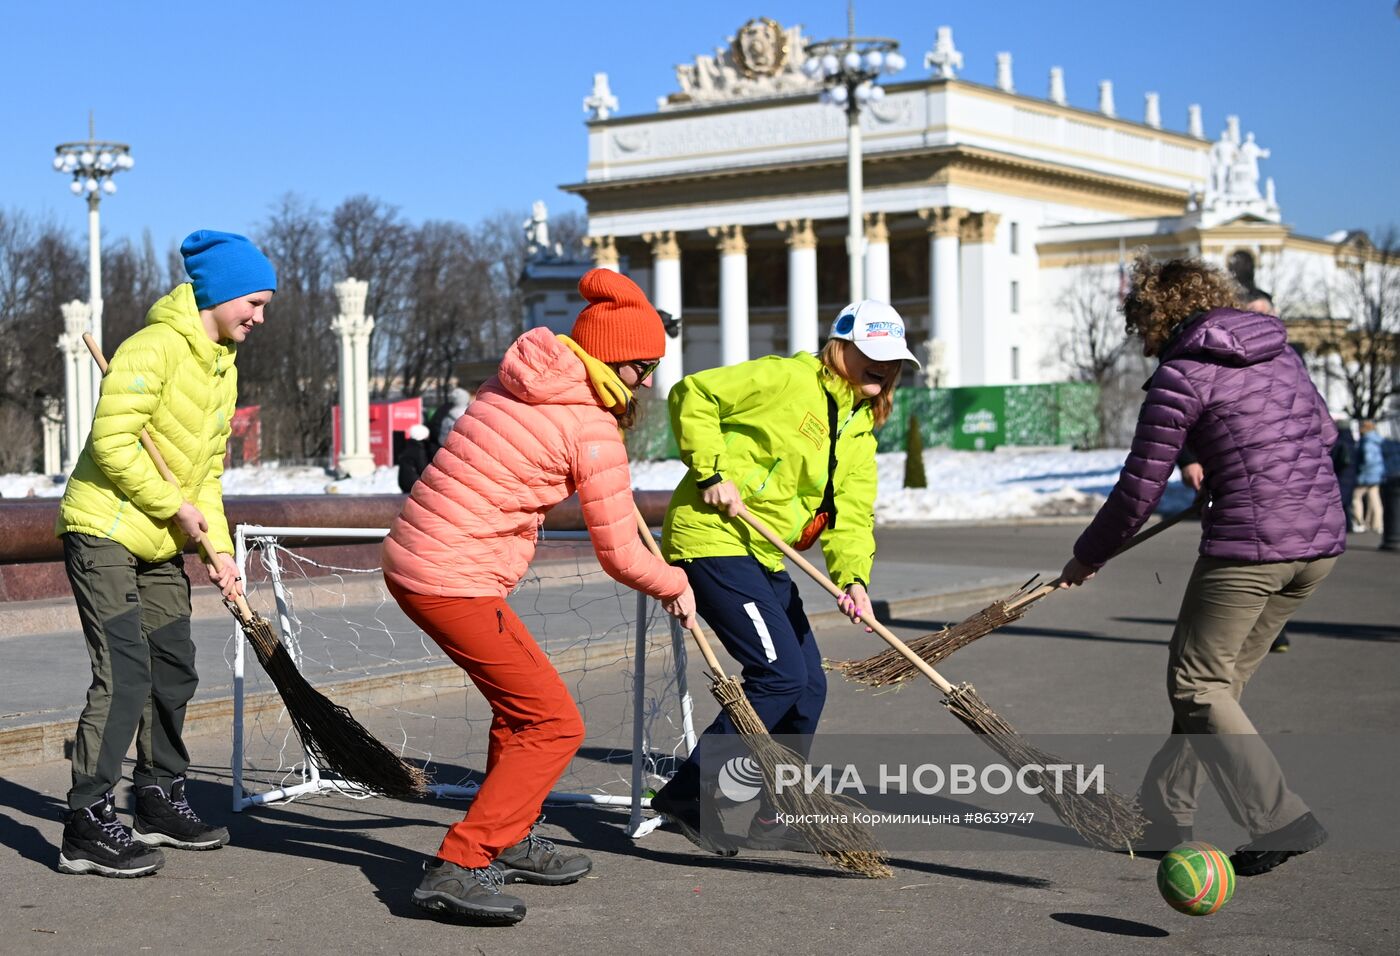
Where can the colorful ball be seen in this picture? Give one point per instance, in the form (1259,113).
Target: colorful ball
(1196,879)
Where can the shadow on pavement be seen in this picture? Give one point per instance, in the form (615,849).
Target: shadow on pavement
(1345,632)
(1110,924)
(24,839)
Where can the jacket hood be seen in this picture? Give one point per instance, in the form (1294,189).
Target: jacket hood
(1229,337)
(177,310)
(538,369)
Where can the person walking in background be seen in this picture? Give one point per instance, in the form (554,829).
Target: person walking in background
(413,459)
(546,425)
(124,528)
(1370,472)
(793,441)
(1230,386)
(1344,464)
(440,425)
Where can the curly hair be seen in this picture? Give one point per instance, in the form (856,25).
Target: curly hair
(1165,294)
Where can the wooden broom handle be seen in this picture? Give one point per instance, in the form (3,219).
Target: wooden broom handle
(1131,543)
(200,537)
(701,640)
(880,629)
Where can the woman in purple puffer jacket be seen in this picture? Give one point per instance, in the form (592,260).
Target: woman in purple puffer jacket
(1231,389)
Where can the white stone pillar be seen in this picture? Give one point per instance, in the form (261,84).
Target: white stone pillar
(733,294)
(877,257)
(804,333)
(944,294)
(1106,106)
(803,320)
(354,328)
(1152,110)
(666,296)
(78,404)
(53,436)
(1057,85)
(984,295)
(604,252)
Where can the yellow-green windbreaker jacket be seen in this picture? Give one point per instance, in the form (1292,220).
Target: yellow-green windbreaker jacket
(179,385)
(763,425)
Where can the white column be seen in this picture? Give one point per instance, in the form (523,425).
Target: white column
(354,328)
(53,436)
(877,257)
(944,291)
(733,294)
(78,405)
(604,252)
(94,301)
(666,296)
(984,299)
(803,335)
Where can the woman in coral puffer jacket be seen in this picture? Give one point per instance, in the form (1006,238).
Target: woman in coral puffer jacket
(1230,387)
(546,426)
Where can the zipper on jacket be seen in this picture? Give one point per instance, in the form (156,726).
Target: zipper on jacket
(760,488)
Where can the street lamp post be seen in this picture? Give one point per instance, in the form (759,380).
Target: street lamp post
(848,68)
(92,164)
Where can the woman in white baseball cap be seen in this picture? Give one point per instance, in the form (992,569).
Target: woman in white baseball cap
(791,440)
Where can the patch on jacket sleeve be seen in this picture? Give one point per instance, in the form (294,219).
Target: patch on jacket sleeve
(813,429)
(595,451)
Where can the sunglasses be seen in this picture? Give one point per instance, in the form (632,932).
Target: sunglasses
(643,369)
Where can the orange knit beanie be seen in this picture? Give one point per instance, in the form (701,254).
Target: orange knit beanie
(618,324)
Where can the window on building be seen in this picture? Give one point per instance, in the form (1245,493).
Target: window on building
(1015,238)
(1015,363)
(1015,297)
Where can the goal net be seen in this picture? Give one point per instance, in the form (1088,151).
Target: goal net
(615,648)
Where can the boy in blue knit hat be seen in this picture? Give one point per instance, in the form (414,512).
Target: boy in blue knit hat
(124,528)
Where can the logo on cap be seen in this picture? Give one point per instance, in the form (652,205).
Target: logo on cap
(845,323)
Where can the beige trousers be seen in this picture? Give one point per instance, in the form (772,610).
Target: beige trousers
(1366,508)
(1230,614)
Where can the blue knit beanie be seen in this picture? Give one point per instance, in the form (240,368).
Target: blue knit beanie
(223,266)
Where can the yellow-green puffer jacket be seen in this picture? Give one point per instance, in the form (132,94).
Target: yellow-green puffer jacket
(764,425)
(173,380)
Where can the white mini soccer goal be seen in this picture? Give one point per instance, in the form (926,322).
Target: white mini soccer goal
(621,656)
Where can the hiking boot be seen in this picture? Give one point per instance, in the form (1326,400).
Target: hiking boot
(167,819)
(537,860)
(697,821)
(472,895)
(95,841)
(770,833)
(1280,644)
(1158,839)
(1268,851)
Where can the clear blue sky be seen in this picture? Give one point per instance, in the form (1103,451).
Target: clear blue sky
(458,109)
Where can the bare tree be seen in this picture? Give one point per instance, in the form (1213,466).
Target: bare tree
(1366,291)
(41,267)
(1093,345)
(289,366)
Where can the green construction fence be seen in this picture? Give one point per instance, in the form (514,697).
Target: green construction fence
(973,418)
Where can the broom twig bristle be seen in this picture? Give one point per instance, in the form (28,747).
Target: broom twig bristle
(1106,819)
(826,821)
(328,731)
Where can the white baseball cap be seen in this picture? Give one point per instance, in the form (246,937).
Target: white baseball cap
(876,329)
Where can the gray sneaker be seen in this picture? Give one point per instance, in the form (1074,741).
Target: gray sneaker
(537,860)
(472,895)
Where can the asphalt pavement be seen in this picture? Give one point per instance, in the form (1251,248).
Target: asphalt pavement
(331,872)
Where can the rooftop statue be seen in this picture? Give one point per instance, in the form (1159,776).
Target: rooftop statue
(762,59)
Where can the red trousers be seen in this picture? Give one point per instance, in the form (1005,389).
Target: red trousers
(536,728)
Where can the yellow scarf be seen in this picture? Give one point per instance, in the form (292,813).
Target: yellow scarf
(614,395)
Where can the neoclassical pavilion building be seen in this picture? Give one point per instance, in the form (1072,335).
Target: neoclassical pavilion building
(984,207)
